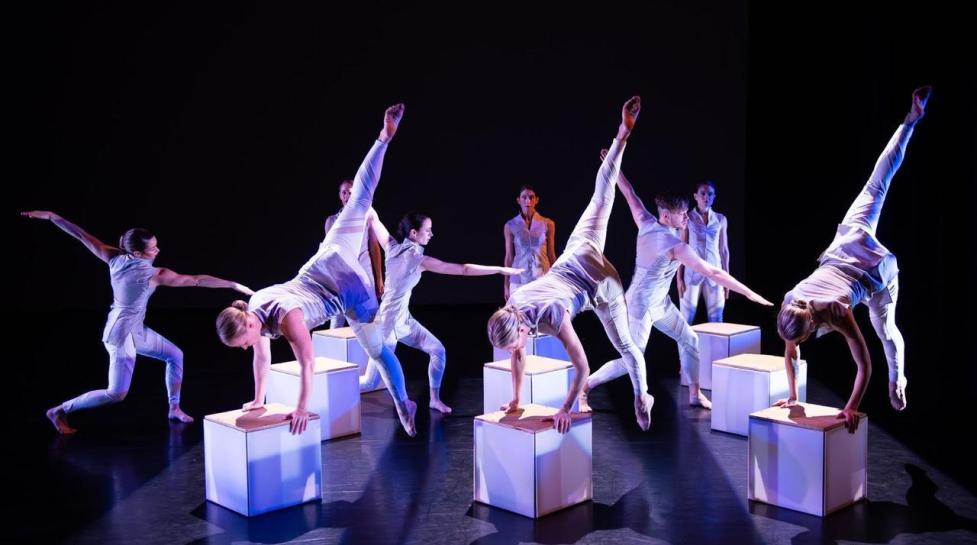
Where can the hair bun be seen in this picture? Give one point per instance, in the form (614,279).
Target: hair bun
(240,305)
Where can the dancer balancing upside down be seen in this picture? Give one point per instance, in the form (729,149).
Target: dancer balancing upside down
(134,279)
(332,282)
(529,242)
(405,264)
(580,279)
(660,253)
(856,268)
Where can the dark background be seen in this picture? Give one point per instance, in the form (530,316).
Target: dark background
(225,130)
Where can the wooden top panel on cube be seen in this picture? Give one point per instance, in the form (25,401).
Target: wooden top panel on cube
(339,333)
(322,365)
(722,328)
(270,416)
(529,418)
(756,362)
(805,415)
(534,365)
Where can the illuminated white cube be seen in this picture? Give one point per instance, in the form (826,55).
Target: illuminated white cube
(335,393)
(522,464)
(341,344)
(718,340)
(803,458)
(537,345)
(253,465)
(748,383)
(545,381)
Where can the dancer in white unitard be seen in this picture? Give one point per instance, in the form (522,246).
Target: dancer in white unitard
(706,234)
(582,278)
(134,279)
(530,242)
(856,268)
(405,264)
(659,254)
(332,282)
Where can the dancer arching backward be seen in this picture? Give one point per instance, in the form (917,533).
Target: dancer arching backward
(581,278)
(706,234)
(405,263)
(856,268)
(369,257)
(660,251)
(332,282)
(134,279)
(529,242)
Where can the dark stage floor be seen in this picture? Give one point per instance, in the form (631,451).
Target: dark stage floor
(130,477)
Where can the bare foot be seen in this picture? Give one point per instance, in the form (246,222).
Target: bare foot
(582,403)
(897,394)
(699,399)
(406,411)
(439,405)
(920,97)
(630,111)
(642,410)
(59,419)
(176,413)
(391,120)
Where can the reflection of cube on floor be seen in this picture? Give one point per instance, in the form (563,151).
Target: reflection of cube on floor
(335,393)
(537,345)
(254,465)
(341,344)
(748,383)
(803,458)
(522,464)
(718,340)
(545,381)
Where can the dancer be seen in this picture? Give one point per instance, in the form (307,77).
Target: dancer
(134,279)
(332,282)
(660,253)
(856,268)
(405,264)
(582,278)
(529,242)
(706,234)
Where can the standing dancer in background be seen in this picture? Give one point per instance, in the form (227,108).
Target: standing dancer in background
(529,242)
(706,234)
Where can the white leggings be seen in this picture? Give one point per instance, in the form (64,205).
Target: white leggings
(584,256)
(419,337)
(715,298)
(122,362)
(643,314)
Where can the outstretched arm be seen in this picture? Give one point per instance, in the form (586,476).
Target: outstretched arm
(638,210)
(688,257)
(510,254)
(376,261)
(261,365)
(467,269)
(378,231)
(680,275)
(294,329)
(724,250)
(863,365)
(568,336)
(517,364)
(97,247)
(167,277)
